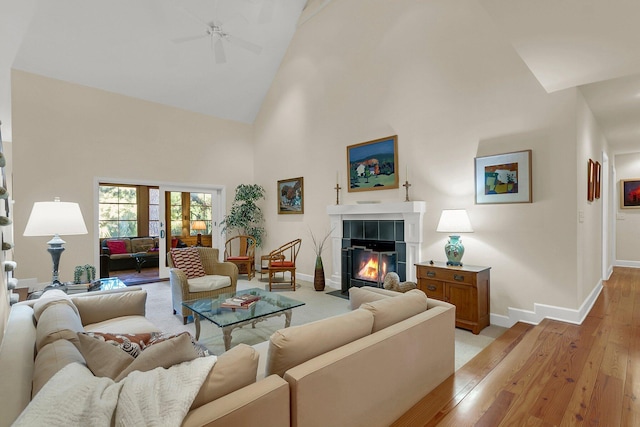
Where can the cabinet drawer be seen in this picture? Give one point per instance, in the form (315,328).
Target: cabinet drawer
(432,288)
(456,276)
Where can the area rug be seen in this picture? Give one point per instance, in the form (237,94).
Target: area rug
(318,305)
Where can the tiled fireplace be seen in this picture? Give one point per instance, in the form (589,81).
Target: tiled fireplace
(371,237)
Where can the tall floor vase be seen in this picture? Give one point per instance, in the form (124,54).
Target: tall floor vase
(318,276)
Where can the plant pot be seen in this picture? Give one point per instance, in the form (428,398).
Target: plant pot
(318,276)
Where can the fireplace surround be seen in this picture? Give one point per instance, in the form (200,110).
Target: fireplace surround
(407,218)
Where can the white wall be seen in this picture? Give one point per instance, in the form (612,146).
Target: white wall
(444,80)
(64,135)
(628,220)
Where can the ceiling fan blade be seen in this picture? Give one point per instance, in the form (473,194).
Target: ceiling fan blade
(245,44)
(218,51)
(189,38)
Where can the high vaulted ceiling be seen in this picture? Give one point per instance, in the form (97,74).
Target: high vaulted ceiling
(134,48)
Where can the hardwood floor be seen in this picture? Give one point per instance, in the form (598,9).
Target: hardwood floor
(552,374)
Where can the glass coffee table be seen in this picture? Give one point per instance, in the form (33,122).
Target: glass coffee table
(269,305)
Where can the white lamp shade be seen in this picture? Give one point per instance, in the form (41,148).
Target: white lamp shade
(454,221)
(51,218)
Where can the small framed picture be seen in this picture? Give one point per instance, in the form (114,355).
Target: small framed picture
(597,175)
(291,196)
(630,193)
(504,178)
(591,179)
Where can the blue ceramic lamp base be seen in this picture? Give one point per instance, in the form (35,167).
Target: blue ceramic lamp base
(454,251)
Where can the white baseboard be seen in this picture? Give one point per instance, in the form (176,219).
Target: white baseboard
(544,311)
(540,312)
(623,263)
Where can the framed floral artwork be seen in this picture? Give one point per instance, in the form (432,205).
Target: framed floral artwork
(291,196)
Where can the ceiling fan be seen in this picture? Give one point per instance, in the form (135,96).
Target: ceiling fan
(217,36)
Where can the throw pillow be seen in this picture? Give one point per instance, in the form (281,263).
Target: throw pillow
(188,260)
(106,360)
(116,247)
(132,344)
(200,349)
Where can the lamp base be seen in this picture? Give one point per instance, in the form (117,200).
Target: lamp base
(454,251)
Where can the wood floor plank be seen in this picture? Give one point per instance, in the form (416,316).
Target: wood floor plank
(576,408)
(553,374)
(605,408)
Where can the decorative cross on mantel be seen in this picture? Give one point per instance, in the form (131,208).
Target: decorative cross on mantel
(406,185)
(337,188)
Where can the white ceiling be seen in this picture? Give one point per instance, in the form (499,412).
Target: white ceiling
(128,47)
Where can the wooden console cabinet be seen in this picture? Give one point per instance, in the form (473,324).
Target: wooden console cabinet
(466,287)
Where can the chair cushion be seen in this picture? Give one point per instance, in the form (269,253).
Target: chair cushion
(208,283)
(188,260)
(117,246)
(282,264)
(238,258)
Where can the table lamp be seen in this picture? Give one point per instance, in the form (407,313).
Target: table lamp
(199,226)
(454,221)
(54,219)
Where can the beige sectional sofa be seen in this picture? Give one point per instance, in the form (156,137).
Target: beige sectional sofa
(41,338)
(363,368)
(366,367)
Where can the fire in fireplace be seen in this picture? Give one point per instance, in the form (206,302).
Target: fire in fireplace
(372,260)
(372,266)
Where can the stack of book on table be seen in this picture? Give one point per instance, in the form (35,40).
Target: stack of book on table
(76,288)
(240,301)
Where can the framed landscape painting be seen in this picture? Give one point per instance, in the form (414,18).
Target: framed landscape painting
(291,196)
(630,193)
(504,178)
(373,165)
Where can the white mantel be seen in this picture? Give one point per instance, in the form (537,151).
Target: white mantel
(411,212)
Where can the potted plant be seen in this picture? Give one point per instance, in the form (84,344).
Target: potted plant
(318,247)
(246,216)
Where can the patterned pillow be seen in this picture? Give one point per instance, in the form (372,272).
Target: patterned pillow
(160,337)
(131,344)
(188,260)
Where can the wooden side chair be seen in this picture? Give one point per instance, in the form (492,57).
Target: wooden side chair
(240,250)
(283,260)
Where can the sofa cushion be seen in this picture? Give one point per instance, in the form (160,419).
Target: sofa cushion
(102,358)
(233,370)
(117,247)
(58,321)
(50,297)
(98,308)
(359,296)
(188,260)
(131,324)
(292,346)
(141,244)
(389,311)
(50,359)
(209,282)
